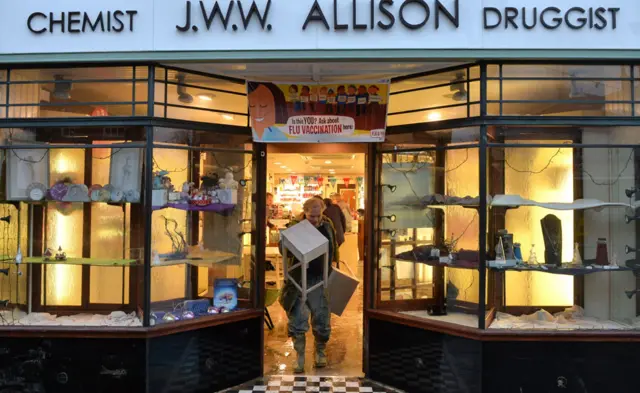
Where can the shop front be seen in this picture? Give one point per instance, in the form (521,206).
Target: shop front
(493,157)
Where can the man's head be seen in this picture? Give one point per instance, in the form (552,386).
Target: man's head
(313,209)
(269,199)
(335,198)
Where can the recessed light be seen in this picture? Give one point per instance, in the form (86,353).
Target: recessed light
(277,163)
(327,162)
(228,117)
(284,167)
(434,116)
(205,97)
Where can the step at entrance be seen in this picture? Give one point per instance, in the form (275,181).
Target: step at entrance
(286,383)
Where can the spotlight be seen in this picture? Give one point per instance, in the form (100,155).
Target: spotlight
(6,219)
(391,232)
(628,218)
(5,271)
(243,182)
(631,293)
(391,187)
(391,218)
(630,192)
(628,249)
(4,303)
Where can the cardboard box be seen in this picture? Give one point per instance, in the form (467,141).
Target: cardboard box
(342,286)
(159,197)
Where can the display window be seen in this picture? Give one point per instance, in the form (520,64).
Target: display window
(203,225)
(72,227)
(544,214)
(428,222)
(74,92)
(564,205)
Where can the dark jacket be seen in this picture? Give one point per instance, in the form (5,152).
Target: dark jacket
(339,221)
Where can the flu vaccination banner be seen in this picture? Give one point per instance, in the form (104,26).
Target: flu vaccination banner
(304,113)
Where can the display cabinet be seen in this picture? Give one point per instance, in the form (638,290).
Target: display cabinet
(72,244)
(505,230)
(128,231)
(429,259)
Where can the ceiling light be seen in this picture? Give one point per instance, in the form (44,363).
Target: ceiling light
(227,117)
(277,163)
(205,97)
(332,170)
(327,162)
(284,167)
(434,116)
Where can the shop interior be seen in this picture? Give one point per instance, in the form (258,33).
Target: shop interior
(296,173)
(558,201)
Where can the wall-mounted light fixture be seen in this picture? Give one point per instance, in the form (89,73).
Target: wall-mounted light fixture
(391,232)
(628,218)
(630,192)
(391,218)
(391,187)
(628,249)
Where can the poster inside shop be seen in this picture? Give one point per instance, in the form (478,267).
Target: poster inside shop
(305,113)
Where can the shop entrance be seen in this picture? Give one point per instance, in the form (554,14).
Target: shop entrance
(336,173)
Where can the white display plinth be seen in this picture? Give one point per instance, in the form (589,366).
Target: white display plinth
(305,243)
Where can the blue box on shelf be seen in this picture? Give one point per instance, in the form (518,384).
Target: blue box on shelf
(225,293)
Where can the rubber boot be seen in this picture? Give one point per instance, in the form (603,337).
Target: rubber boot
(299,344)
(321,355)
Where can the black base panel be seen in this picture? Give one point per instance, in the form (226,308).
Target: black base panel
(418,361)
(198,361)
(69,365)
(206,360)
(423,361)
(563,367)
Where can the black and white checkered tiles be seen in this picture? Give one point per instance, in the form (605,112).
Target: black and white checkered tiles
(285,383)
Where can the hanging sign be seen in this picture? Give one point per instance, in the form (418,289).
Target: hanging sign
(294,180)
(333,181)
(346,181)
(320,180)
(349,112)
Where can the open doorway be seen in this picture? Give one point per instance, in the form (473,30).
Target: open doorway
(295,173)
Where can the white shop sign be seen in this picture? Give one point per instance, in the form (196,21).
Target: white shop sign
(64,26)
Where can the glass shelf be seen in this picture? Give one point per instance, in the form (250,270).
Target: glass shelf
(199,258)
(81,261)
(569,270)
(214,207)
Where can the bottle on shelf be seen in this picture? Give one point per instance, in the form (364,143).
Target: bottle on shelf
(533,259)
(577,259)
(602,256)
(517,251)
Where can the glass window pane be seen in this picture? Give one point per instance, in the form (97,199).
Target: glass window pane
(442,78)
(564,71)
(208,242)
(455,112)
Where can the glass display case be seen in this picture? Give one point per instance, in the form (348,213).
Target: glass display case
(429,262)
(72,217)
(566,203)
(89,211)
(508,225)
(202,224)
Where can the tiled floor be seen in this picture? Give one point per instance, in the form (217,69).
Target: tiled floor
(286,383)
(344,350)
